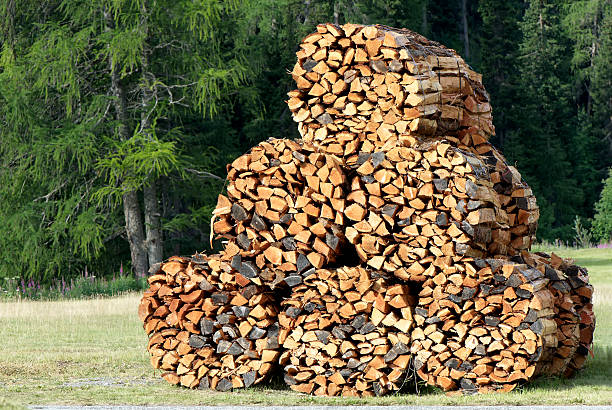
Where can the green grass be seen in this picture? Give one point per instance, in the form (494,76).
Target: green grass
(84,286)
(90,352)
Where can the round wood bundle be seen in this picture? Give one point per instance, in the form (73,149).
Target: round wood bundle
(516,200)
(575,278)
(582,296)
(284,211)
(395,182)
(346,332)
(565,314)
(411,205)
(363,88)
(483,325)
(206,330)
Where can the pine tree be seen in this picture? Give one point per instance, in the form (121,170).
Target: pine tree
(602,79)
(546,132)
(602,223)
(589,26)
(499,42)
(119,91)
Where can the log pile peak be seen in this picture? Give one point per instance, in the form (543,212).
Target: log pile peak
(391,241)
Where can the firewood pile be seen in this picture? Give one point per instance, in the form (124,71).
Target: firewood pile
(392,240)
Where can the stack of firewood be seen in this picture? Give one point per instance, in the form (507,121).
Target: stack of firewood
(209,327)
(392,240)
(347,331)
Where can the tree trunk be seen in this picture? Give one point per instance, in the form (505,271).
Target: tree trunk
(306,12)
(336,12)
(153,224)
(135,235)
(424,23)
(131,207)
(152,214)
(464,23)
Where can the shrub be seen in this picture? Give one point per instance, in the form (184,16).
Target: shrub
(602,223)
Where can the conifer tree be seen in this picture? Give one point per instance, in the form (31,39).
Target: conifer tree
(588,24)
(602,223)
(546,130)
(499,42)
(114,88)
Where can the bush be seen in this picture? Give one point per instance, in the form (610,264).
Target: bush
(84,286)
(602,223)
(582,234)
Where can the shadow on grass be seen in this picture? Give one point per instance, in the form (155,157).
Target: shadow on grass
(597,373)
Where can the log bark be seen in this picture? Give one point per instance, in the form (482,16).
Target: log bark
(392,235)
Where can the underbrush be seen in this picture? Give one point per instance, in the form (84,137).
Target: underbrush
(84,286)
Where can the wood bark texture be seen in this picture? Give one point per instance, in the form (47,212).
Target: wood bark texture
(392,240)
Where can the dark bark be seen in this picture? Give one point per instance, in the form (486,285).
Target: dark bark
(305,15)
(135,235)
(153,224)
(131,207)
(424,22)
(336,13)
(464,23)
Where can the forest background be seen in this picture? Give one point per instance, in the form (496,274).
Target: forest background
(117,117)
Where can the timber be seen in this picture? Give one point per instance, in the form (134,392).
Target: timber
(391,240)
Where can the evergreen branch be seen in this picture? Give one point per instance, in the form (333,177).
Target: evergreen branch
(204,174)
(114,235)
(48,196)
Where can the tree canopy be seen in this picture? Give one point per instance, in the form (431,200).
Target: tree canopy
(118,116)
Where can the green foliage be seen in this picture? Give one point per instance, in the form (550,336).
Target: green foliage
(201,81)
(500,37)
(548,123)
(582,235)
(64,162)
(130,162)
(602,223)
(80,287)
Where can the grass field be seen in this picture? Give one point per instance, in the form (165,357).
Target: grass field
(93,352)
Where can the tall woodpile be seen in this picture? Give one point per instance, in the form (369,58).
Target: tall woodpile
(391,240)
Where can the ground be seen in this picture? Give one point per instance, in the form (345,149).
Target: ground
(93,352)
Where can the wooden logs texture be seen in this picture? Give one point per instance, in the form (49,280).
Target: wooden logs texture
(346,332)
(207,331)
(392,240)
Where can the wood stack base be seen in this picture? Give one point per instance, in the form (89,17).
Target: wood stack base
(347,332)
(573,311)
(483,325)
(205,329)
(392,239)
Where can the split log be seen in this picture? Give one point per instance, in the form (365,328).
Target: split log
(207,330)
(483,325)
(346,332)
